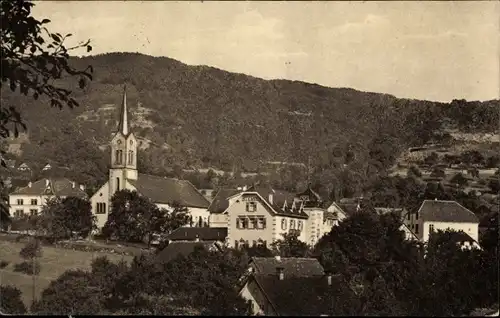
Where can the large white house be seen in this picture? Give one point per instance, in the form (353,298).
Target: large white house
(442,215)
(261,215)
(29,200)
(123,174)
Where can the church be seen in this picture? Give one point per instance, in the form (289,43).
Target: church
(123,174)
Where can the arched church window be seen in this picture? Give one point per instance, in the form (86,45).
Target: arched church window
(130,157)
(118,156)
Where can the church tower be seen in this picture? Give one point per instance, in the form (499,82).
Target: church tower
(123,152)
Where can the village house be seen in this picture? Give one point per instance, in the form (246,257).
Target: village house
(261,215)
(442,215)
(288,287)
(123,174)
(29,200)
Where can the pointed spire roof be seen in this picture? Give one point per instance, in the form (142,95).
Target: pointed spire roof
(124,127)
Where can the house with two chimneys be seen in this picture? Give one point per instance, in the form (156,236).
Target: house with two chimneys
(30,199)
(277,286)
(260,215)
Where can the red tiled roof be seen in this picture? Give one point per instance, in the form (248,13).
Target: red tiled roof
(446,211)
(57,186)
(169,190)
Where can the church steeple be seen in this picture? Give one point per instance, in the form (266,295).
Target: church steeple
(123,127)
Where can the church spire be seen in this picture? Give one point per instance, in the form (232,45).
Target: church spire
(124,126)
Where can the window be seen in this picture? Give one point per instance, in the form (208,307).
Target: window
(101,208)
(18,213)
(20,201)
(261,223)
(33,212)
(242,223)
(254,222)
(117,184)
(301,225)
(416,215)
(34,202)
(283,224)
(431,228)
(416,228)
(292,224)
(130,157)
(118,157)
(408,216)
(236,244)
(251,206)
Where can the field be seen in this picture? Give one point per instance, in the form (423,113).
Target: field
(53,263)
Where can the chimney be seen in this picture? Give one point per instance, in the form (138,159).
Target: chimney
(278,258)
(270,198)
(47,182)
(30,184)
(82,187)
(280,271)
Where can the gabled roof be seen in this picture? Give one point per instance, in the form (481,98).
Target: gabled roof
(168,190)
(201,233)
(61,187)
(293,266)
(446,211)
(220,202)
(175,249)
(312,199)
(299,296)
(279,198)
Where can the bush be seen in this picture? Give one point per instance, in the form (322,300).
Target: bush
(4,264)
(10,301)
(28,267)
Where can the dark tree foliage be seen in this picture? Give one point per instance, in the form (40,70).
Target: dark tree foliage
(290,246)
(32,58)
(133,217)
(71,294)
(10,301)
(459,179)
(67,218)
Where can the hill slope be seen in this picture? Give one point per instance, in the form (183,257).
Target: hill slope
(200,116)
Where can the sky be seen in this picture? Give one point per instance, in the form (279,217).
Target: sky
(425,50)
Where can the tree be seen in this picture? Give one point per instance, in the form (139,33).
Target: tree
(133,217)
(492,161)
(290,245)
(431,159)
(10,301)
(32,249)
(494,184)
(71,293)
(414,172)
(459,180)
(62,219)
(32,58)
(438,173)
(179,216)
